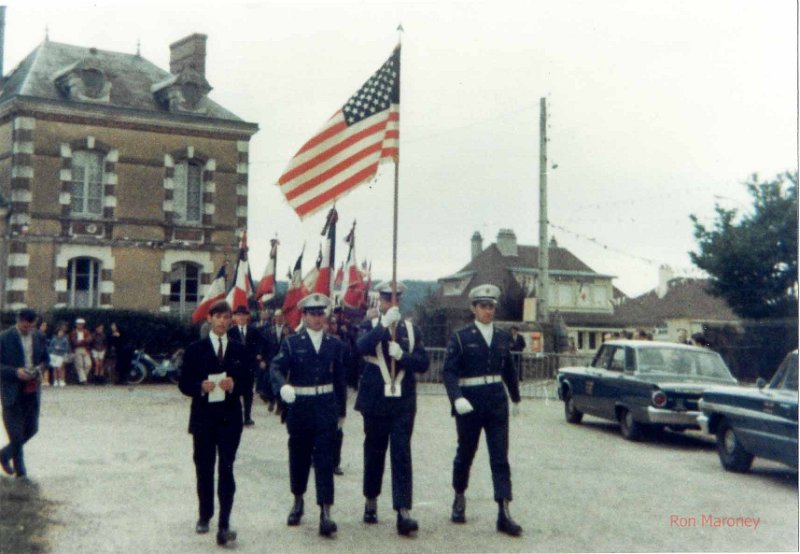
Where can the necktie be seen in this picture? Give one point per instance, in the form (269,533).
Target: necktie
(244,333)
(220,353)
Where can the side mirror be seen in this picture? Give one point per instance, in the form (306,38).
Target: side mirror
(760,383)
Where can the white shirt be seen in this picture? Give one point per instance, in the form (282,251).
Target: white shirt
(487,330)
(216,340)
(278,329)
(316,338)
(243,331)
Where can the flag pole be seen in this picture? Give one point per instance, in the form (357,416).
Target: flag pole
(394,222)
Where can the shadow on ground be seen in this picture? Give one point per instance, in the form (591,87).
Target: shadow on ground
(24,517)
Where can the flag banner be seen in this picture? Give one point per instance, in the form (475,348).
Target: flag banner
(294,294)
(266,286)
(214,293)
(323,284)
(242,288)
(346,152)
(353,282)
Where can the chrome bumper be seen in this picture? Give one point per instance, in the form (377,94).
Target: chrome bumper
(702,421)
(670,417)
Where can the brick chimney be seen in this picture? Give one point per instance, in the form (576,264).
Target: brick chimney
(507,242)
(188,52)
(477,244)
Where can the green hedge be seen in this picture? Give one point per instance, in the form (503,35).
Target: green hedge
(156,333)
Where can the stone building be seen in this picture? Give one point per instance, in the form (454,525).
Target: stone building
(126,184)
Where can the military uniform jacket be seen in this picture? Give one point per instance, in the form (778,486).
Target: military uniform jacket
(374,339)
(468,355)
(300,365)
(199,361)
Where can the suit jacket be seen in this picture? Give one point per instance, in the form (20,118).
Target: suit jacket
(300,365)
(199,361)
(468,355)
(371,399)
(255,344)
(12,357)
(274,340)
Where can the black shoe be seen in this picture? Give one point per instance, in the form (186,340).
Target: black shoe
(406,525)
(5,461)
(270,405)
(371,511)
(327,526)
(19,466)
(202,527)
(458,515)
(224,536)
(504,522)
(338,471)
(296,514)
(249,422)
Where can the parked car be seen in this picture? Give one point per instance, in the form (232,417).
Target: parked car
(642,384)
(754,421)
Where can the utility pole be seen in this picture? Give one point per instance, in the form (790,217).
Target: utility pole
(543,292)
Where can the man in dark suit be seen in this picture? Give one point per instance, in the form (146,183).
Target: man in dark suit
(214,374)
(477,363)
(310,372)
(23,354)
(393,351)
(255,345)
(274,334)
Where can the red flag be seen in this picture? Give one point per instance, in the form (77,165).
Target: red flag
(266,286)
(323,285)
(337,282)
(294,294)
(353,284)
(214,293)
(346,152)
(242,288)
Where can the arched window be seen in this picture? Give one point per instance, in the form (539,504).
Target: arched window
(83,280)
(87,183)
(184,288)
(188,193)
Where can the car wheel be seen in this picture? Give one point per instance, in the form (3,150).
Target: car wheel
(631,430)
(731,454)
(571,413)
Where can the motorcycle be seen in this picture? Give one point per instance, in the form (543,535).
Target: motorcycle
(144,366)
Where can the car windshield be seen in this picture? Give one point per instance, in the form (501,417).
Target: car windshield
(683,364)
(786,376)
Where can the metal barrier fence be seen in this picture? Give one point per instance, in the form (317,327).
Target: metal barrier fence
(537,372)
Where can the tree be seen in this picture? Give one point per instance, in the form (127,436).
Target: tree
(752,259)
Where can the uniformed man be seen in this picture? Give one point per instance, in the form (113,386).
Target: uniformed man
(477,363)
(393,351)
(274,335)
(310,372)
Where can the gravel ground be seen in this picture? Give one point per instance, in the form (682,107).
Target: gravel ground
(112,472)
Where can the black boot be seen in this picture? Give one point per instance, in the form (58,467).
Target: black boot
(504,522)
(297,511)
(371,511)
(327,526)
(405,524)
(458,514)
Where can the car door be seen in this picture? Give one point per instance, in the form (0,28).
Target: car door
(589,389)
(609,387)
(780,441)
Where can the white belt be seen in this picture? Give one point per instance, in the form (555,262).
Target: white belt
(313,391)
(482,380)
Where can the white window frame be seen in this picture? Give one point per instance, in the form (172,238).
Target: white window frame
(188,188)
(80,298)
(87,182)
(179,276)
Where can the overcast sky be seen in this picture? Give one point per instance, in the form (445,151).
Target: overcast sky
(657,109)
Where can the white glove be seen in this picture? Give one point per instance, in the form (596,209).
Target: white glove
(463,406)
(391,316)
(340,423)
(395,351)
(515,409)
(287,393)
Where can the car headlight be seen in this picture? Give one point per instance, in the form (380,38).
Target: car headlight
(659,399)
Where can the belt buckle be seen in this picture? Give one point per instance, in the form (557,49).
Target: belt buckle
(485,379)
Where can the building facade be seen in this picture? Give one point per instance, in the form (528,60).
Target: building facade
(126,184)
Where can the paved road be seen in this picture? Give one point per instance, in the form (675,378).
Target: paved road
(116,462)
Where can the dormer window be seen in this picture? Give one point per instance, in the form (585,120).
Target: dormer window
(93,82)
(185,92)
(84,81)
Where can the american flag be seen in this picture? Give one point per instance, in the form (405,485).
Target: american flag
(347,150)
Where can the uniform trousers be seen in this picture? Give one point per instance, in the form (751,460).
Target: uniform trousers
(381,432)
(311,423)
(494,422)
(221,439)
